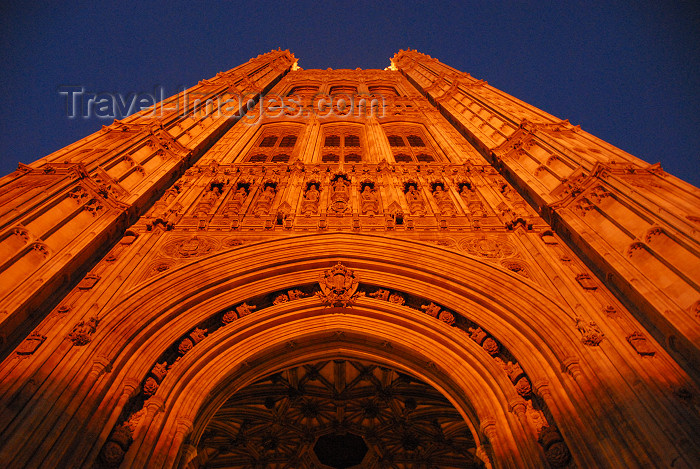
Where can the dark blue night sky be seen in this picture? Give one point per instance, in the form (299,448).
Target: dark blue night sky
(628,72)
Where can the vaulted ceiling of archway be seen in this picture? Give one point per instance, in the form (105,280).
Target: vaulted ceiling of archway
(280,422)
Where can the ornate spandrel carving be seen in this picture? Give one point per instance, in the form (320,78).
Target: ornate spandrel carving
(190,247)
(488,247)
(338,286)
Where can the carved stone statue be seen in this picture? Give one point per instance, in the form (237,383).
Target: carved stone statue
(206,203)
(415,201)
(339,195)
(264,203)
(309,204)
(443,201)
(369,201)
(236,203)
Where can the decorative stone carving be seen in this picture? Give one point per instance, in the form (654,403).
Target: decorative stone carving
(207,201)
(586,282)
(446,317)
(555,449)
(245,309)
(228,317)
(397,299)
(478,335)
(491,346)
(190,247)
(82,332)
(309,203)
(640,344)
(88,281)
(281,298)
(29,345)
(159,371)
(150,387)
(591,334)
(431,309)
(381,294)
(488,247)
(196,336)
(338,286)
(296,294)
(523,387)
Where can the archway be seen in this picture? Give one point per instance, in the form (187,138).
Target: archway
(503,330)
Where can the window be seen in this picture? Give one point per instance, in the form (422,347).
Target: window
(332,141)
(384,90)
(304,90)
(415,141)
(396,141)
(343,89)
(416,151)
(288,141)
(275,148)
(342,144)
(268,142)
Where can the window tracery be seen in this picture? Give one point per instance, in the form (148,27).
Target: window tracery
(408,145)
(342,144)
(275,146)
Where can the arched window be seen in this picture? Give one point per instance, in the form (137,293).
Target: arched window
(281,158)
(330,158)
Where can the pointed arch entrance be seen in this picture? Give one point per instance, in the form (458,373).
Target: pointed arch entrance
(483,337)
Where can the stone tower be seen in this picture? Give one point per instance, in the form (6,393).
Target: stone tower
(392,268)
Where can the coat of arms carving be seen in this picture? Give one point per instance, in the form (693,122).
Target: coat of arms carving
(338,286)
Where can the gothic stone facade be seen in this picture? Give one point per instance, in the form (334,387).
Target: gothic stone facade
(421,267)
